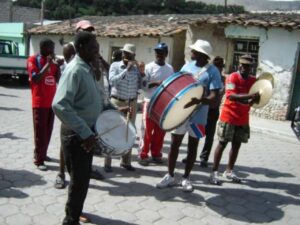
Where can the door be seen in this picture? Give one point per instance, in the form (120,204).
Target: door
(296,87)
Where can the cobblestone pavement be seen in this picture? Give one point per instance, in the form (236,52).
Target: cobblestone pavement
(269,194)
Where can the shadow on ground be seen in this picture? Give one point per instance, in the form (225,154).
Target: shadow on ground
(12,182)
(98,220)
(10,136)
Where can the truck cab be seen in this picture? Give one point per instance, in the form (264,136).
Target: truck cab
(11,63)
(8,47)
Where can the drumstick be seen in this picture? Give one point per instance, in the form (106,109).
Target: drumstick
(127,120)
(108,130)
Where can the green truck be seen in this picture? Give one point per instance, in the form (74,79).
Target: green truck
(12,51)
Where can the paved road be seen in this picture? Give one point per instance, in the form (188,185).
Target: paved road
(270,193)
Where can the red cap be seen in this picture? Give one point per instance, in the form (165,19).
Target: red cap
(84,24)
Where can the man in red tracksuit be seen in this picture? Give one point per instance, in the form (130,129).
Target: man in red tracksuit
(43,73)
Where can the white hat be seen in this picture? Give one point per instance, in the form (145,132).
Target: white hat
(129,48)
(202,46)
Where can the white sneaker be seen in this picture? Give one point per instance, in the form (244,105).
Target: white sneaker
(186,185)
(166,181)
(214,178)
(232,176)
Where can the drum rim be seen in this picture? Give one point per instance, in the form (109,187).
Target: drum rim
(172,102)
(164,84)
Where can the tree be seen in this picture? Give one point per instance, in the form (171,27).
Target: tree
(59,9)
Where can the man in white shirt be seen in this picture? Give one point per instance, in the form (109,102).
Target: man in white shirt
(155,73)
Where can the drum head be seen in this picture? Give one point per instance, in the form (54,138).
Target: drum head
(175,114)
(111,126)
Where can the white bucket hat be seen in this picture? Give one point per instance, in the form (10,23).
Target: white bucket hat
(129,48)
(202,46)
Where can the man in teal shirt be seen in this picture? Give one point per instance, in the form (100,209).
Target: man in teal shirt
(77,103)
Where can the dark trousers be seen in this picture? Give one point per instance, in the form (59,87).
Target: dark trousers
(79,165)
(210,129)
(43,119)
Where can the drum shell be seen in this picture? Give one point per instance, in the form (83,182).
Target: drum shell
(165,94)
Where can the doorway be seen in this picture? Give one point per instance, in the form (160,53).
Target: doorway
(295,101)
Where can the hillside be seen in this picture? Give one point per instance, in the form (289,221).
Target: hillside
(254,5)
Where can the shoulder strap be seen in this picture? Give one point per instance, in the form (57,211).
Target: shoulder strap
(38,61)
(203,70)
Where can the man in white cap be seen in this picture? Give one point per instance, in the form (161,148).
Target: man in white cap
(209,77)
(153,136)
(125,78)
(233,125)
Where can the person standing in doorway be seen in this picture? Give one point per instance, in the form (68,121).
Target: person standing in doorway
(212,117)
(234,119)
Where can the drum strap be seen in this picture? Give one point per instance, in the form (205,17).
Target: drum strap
(202,70)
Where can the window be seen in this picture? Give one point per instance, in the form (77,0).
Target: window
(241,47)
(113,49)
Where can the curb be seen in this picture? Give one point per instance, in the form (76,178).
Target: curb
(275,133)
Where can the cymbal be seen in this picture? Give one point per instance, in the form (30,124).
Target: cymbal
(265,89)
(267,76)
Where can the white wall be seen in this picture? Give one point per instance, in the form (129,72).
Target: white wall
(144,45)
(277,54)
(211,33)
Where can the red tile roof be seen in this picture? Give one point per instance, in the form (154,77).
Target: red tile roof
(166,25)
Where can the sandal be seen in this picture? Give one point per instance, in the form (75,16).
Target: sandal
(60,182)
(84,219)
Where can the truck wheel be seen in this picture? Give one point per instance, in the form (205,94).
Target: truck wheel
(23,80)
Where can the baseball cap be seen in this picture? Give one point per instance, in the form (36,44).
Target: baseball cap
(246,59)
(161,46)
(84,24)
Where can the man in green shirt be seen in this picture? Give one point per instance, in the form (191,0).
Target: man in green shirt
(77,103)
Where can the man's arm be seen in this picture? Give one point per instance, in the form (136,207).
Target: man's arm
(245,98)
(37,77)
(114,75)
(63,103)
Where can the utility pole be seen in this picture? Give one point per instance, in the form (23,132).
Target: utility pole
(11,11)
(225,7)
(70,23)
(42,12)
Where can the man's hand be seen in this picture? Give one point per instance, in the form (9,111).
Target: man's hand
(50,58)
(255,98)
(154,83)
(125,110)
(194,101)
(59,61)
(141,67)
(130,64)
(89,143)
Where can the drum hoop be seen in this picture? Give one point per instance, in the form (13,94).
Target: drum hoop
(161,87)
(105,144)
(172,102)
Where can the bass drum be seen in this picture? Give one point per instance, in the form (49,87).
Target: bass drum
(166,106)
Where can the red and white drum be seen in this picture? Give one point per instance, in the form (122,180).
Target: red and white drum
(166,106)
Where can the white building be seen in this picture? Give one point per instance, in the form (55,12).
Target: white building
(272,39)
